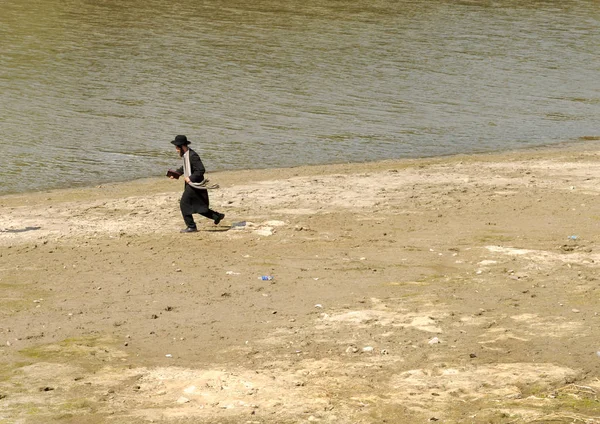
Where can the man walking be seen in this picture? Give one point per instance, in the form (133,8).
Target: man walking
(195,194)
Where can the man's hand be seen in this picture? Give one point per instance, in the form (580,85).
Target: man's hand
(187,179)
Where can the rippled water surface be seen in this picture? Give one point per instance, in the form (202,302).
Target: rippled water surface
(93,90)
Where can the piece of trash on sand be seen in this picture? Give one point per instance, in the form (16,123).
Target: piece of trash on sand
(265,277)
(168,355)
(573,237)
(318,305)
(232,273)
(238,225)
(435,340)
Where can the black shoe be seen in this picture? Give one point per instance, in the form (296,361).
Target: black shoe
(219,217)
(189,230)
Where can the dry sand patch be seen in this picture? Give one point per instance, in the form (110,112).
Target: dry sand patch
(448,289)
(323,391)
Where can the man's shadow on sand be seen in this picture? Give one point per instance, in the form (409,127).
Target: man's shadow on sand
(222,228)
(215,229)
(218,229)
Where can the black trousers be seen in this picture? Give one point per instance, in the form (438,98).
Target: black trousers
(189,219)
(195,201)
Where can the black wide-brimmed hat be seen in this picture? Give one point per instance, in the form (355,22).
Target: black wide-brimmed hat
(180,140)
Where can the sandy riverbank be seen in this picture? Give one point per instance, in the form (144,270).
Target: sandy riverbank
(460,289)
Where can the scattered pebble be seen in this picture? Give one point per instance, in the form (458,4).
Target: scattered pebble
(318,305)
(168,355)
(182,400)
(367,349)
(435,340)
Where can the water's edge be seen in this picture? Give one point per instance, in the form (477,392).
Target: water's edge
(163,183)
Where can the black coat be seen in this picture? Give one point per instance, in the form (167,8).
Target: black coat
(194,200)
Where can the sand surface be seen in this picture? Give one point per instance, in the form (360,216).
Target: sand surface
(455,290)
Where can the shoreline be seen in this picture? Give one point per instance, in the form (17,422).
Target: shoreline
(408,291)
(565,145)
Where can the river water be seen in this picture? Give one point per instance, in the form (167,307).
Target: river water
(92,91)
